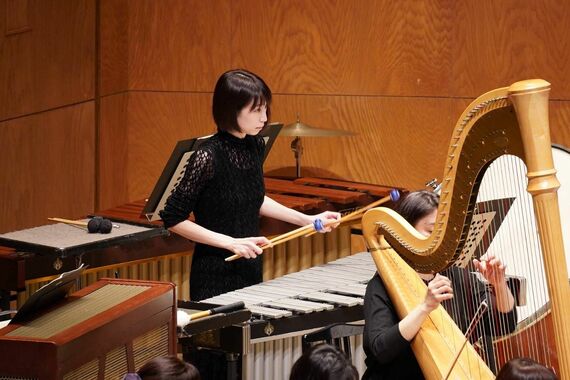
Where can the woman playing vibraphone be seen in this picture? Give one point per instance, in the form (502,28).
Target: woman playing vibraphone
(223,187)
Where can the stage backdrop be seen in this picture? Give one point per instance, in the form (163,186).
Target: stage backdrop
(96,93)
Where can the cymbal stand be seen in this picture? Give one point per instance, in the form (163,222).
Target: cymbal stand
(297,148)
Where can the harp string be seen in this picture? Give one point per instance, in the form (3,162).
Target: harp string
(518,246)
(444,329)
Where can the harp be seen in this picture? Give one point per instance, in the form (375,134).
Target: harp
(506,121)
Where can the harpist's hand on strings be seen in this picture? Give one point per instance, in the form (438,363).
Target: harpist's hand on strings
(439,289)
(249,247)
(492,268)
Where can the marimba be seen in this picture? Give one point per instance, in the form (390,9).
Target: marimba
(155,254)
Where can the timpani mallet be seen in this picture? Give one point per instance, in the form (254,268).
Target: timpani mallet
(95,224)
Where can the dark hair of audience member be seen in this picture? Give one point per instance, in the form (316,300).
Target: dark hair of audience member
(416,205)
(525,369)
(168,368)
(323,362)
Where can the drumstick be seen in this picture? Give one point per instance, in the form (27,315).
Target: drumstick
(310,229)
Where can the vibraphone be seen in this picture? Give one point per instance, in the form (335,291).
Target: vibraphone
(287,307)
(158,255)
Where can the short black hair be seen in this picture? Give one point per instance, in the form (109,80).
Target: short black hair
(168,368)
(416,205)
(525,369)
(323,362)
(234,90)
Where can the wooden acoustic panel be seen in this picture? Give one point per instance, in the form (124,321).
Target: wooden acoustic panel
(112,185)
(374,47)
(47,167)
(51,63)
(178,45)
(500,42)
(398,142)
(132,161)
(560,122)
(114,46)
(399,75)
(138,133)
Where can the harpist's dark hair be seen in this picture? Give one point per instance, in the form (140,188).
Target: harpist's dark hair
(323,362)
(234,90)
(525,369)
(416,205)
(168,368)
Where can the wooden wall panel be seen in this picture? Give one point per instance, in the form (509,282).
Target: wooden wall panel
(158,120)
(138,133)
(560,123)
(114,46)
(341,47)
(112,186)
(47,167)
(406,155)
(398,74)
(399,140)
(178,45)
(50,64)
(499,42)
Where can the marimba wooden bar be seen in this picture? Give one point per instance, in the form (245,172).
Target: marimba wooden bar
(168,256)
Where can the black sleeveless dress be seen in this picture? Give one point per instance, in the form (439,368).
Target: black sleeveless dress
(223,187)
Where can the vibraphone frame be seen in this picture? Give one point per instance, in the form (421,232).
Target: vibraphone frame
(271,341)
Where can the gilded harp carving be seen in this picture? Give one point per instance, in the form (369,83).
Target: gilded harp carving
(507,121)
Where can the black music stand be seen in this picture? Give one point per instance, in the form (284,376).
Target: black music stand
(176,166)
(49,294)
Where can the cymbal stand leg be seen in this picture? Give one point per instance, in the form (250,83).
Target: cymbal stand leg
(297,148)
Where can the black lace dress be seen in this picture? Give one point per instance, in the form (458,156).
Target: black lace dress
(223,187)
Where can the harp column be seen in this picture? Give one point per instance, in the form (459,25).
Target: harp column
(530,100)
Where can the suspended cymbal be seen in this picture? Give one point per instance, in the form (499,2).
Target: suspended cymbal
(299,129)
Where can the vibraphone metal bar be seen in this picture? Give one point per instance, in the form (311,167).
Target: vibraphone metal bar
(287,307)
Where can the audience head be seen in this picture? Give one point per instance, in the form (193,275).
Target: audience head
(419,208)
(323,362)
(235,90)
(166,368)
(525,369)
